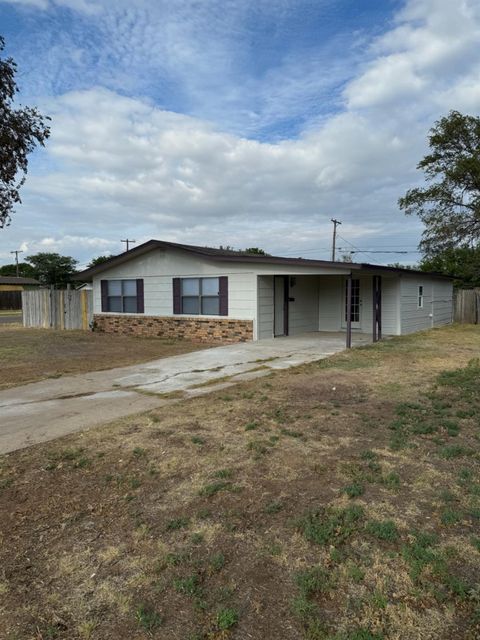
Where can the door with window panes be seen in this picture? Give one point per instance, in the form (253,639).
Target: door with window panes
(356,307)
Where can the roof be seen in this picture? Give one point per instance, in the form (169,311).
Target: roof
(15,280)
(227,255)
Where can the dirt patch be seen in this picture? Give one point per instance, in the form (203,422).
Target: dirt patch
(318,503)
(28,355)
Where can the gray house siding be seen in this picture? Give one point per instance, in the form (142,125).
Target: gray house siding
(437,303)
(265,307)
(303,309)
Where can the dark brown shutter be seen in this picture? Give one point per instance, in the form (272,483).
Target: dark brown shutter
(104,290)
(140,296)
(223,293)
(177,299)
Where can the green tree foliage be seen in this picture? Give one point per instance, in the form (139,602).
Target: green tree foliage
(25,270)
(52,268)
(449,206)
(256,251)
(21,129)
(463,262)
(98,260)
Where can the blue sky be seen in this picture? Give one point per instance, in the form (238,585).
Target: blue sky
(234,122)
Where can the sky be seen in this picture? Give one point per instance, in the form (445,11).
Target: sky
(234,122)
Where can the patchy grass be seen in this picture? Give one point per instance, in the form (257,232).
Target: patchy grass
(317,504)
(28,355)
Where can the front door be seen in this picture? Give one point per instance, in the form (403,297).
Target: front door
(280,316)
(356,308)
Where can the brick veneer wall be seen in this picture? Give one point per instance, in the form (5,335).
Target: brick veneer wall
(196,329)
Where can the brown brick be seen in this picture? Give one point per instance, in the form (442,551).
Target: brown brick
(194,329)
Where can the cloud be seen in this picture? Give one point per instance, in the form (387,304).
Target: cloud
(125,166)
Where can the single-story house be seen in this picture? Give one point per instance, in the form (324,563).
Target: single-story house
(175,290)
(12,283)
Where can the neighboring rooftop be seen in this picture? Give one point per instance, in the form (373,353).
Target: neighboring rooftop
(15,280)
(228,255)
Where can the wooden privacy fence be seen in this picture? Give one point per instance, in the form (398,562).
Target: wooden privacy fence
(467,306)
(57,309)
(10,300)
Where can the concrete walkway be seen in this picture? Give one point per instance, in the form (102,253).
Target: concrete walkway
(51,408)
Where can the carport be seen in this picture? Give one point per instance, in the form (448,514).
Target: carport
(346,303)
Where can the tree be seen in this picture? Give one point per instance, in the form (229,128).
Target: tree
(449,206)
(52,268)
(20,131)
(25,270)
(98,260)
(255,251)
(463,262)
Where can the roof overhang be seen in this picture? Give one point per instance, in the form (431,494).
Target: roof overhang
(219,255)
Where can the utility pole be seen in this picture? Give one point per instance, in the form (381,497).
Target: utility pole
(335,223)
(127,242)
(16,259)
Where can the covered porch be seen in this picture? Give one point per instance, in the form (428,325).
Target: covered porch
(347,304)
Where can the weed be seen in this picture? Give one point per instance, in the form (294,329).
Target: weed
(148,618)
(197,440)
(292,434)
(419,553)
(258,447)
(177,523)
(368,455)
(189,586)
(226,618)
(382,530)
(315,580)
(217,561)
(139,452)
(450,516)
(391,480)
(451,427)
(175,559)
(361,634)
(211,489)
(356,573)
(330,526)
(354,490)
(251,426)
(454,451)
(223,473)
(273,507)
(197,538)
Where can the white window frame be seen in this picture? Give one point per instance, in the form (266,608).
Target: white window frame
(420,296)
(201,295)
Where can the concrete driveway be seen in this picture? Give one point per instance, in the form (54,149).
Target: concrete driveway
(51,408)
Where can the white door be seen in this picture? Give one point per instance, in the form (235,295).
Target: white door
(356,308)
(280,307)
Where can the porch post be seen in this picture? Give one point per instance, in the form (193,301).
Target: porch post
(379,308)
(349,311)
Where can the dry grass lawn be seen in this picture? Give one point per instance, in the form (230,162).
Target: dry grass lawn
(28,355)
(339,500)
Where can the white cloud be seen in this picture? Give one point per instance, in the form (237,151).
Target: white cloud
(120,167)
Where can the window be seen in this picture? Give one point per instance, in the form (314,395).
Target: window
(420,297)
(122,296)
(200,296)
(355,301)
